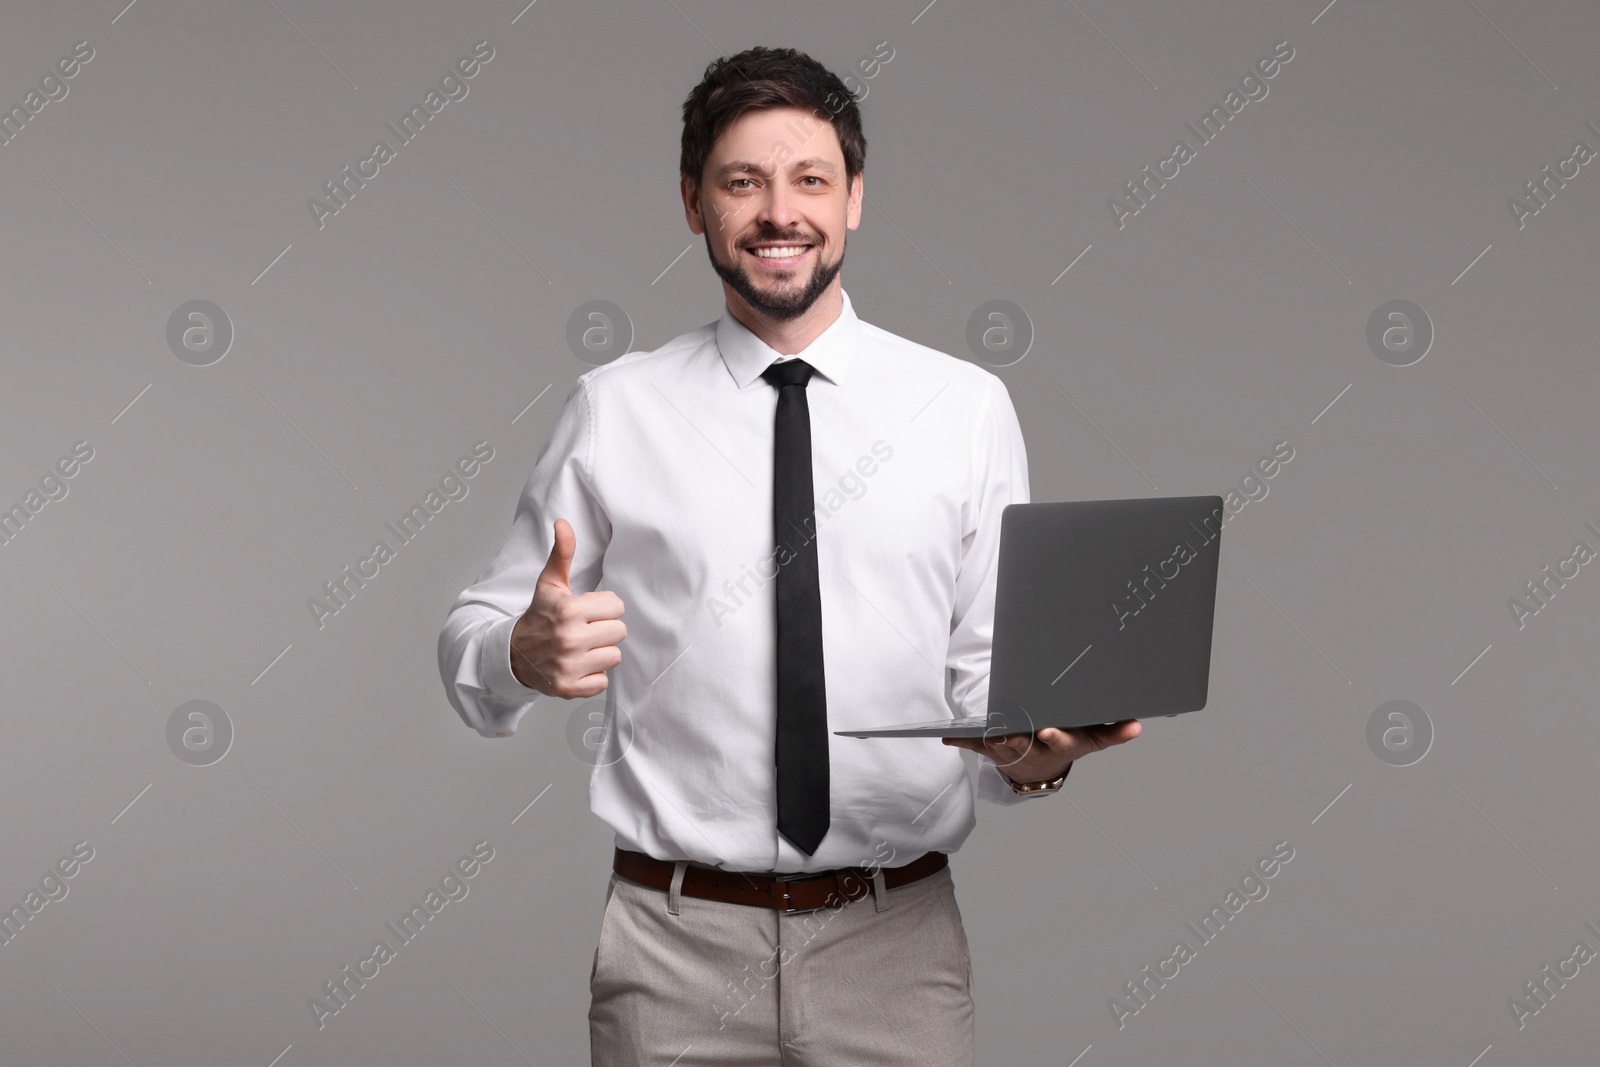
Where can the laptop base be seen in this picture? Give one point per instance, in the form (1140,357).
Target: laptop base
(966,727)
(973,726)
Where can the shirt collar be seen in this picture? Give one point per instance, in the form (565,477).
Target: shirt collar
(747,355)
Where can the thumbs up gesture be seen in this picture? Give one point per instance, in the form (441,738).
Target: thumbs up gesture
(565,641)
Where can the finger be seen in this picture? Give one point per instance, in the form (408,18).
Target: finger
(1121,732)
(1000,755)
(1058,741)
(607,632)
(1016,745)
(998,736)
(583,666)
(1010,749)
(590,685)
(556,568)
(595,606)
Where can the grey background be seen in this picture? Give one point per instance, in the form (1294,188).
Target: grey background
(432,310)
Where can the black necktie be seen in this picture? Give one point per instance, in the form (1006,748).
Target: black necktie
(801,751)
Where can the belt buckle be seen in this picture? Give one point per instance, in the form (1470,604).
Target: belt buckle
(783,902)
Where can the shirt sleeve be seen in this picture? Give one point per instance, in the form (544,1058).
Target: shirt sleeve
(475,644)
(999,477)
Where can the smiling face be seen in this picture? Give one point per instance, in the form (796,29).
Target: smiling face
(774,205)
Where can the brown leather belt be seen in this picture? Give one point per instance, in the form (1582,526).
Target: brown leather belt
(801,893)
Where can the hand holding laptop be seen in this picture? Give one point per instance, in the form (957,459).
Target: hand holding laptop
(1039,757)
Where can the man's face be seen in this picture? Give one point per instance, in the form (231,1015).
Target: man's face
(774,205)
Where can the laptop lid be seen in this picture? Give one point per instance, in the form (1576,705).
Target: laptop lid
(1103,610)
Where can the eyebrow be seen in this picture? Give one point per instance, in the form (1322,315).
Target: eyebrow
(744,166)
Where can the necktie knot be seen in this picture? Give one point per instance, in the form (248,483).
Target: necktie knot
(788,372)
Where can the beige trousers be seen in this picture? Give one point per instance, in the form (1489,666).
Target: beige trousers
(884,980)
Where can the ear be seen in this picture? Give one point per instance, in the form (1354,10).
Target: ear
(690,190)
(853,210)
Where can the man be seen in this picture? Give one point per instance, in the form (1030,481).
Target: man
(801,513)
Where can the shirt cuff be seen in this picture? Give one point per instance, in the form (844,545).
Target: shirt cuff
(992,785)
(494,670)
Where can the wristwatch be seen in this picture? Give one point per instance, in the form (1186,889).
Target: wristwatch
(1037,789)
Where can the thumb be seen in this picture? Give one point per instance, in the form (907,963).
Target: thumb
(556,568)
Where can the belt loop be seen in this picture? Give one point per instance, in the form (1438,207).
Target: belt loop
(675,893)
(880,890)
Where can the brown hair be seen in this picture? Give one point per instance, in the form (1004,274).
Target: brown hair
(760,79)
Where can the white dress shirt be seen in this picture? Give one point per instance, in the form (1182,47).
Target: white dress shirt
(662,462)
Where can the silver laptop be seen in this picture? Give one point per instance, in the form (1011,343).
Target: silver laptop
(1103,612)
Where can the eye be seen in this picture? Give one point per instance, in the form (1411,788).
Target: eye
(736,181)
(812,178)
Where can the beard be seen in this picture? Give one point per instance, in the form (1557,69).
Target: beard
(783,305)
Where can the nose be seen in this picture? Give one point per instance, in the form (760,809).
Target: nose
(776,209)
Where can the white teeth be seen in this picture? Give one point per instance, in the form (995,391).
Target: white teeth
(779,253)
